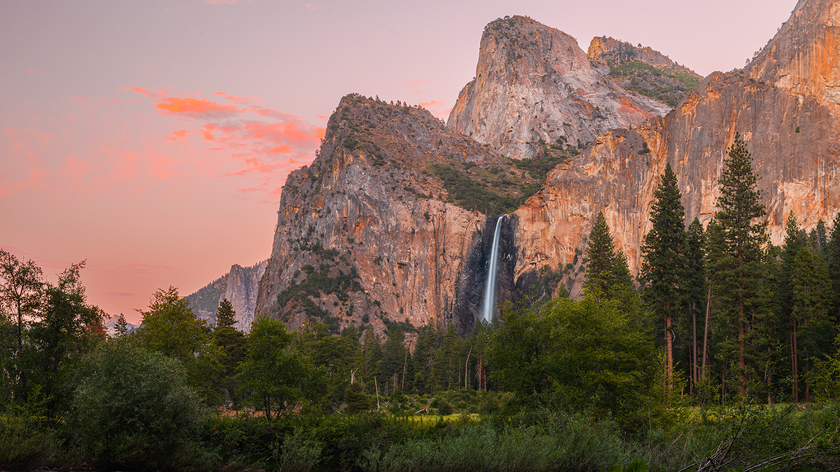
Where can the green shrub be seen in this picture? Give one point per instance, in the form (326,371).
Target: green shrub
(134,408)
(356,399)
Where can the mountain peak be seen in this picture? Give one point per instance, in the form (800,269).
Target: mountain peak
(534,83)
(804,56)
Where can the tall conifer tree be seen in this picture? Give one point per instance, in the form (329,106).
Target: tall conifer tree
(600,256)
(695,294)
(832,257)
(663,263)
(738,275)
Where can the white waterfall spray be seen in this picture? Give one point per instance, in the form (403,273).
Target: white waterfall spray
(490,286)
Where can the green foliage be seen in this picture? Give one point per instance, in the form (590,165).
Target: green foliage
(230,346)
(475,195)
(575,354)
(133,408)
(225,315)
(561,443)
(273,374)
(314,285)
(356,399)
(21,289)
(607,273)
(668,94)
(738,272)
(663,261)
(171,328)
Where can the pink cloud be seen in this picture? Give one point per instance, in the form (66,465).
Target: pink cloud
(261,143)
(33,71)
(436,108)
(196,107)
(221,2)
(145,92)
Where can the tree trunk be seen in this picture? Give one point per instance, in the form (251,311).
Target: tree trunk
(706,330)
(694,373)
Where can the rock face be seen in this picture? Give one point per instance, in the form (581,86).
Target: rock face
(239,286)
(366,234)
(534,83)
(393,221)
(643,70)
(790,125)
(804,56)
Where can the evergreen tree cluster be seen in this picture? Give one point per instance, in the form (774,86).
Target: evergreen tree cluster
(739,317)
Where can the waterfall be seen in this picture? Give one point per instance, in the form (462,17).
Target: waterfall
(490,286)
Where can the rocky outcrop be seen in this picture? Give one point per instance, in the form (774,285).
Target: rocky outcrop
(239,286)
(534,83)
(790,126)
(643,70)
(368,234)
(613,52)
(393,220)
(804,56)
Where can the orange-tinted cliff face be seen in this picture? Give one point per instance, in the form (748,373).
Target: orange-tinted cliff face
(804,56)
(534,83)
(789,123)
(372,209)
(372,221)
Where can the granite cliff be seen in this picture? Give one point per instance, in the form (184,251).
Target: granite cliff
(392,221)
(239,286)
(534,83)
(388,223)
(783,104)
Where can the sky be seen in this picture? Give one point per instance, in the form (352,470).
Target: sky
(151,139)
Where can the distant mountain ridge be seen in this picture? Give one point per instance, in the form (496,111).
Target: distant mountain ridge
(239,286)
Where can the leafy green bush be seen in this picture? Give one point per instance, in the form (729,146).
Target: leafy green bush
(134,408)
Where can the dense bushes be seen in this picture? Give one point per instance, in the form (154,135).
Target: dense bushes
(133,407)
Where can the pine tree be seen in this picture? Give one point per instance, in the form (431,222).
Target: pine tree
(794,242)
(738,276)
(694,293)
(810,303)
(121,326)
(663,264)
(602,262)
(372,350)
(832,256)
(225,315)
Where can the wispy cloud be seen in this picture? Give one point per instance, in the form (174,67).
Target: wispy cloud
(195,107)
(264,143)
(314,9)
(437,108)
(33,71)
